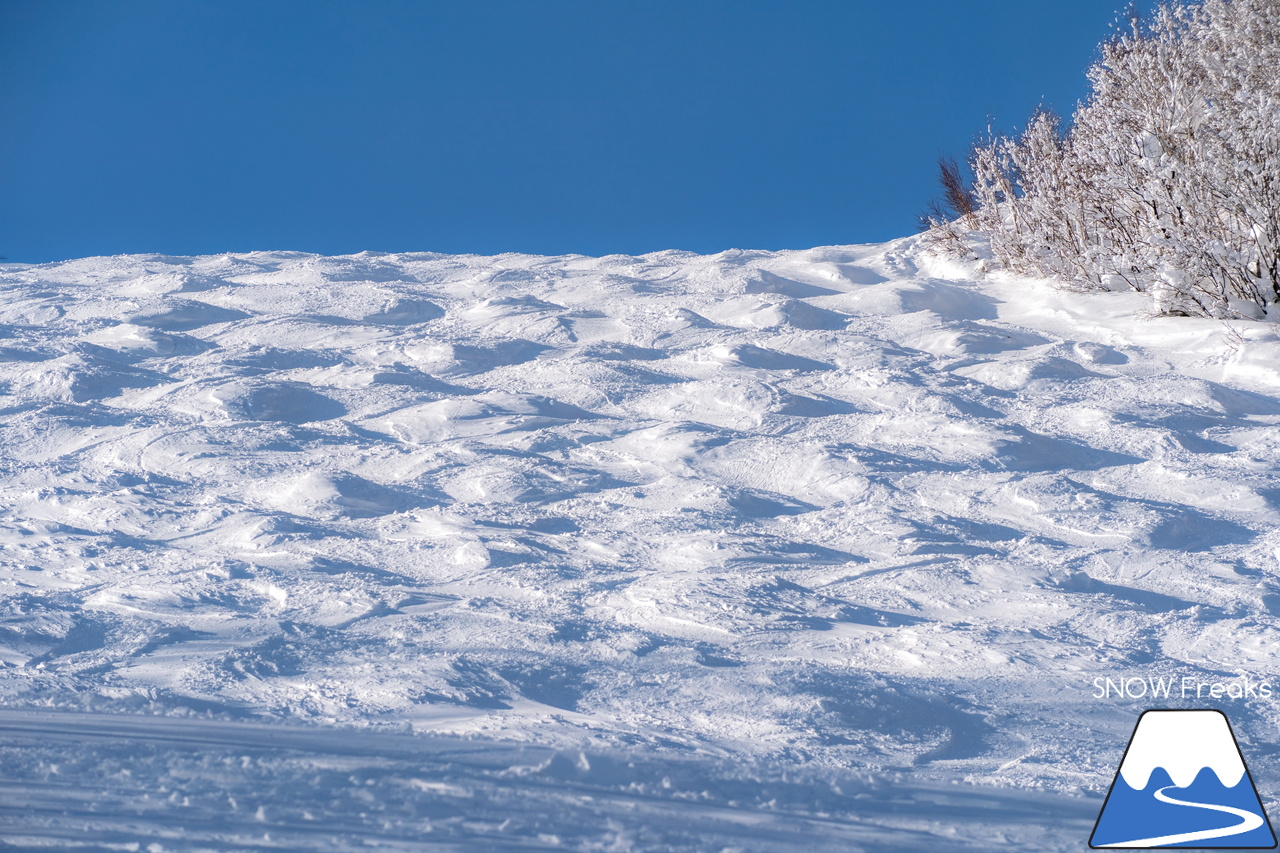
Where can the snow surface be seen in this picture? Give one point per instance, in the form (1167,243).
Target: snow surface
(798,550)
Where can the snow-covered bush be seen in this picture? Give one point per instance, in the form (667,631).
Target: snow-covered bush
(1167,179)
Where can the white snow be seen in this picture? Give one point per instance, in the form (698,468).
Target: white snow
(849,517)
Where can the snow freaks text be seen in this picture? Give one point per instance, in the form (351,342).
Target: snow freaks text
(1180,687)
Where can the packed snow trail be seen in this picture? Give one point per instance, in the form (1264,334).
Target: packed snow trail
(98,782)
(846,509)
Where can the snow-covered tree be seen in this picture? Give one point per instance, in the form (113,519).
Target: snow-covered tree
(1167,179)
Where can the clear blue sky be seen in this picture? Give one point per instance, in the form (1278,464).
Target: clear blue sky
(548,126)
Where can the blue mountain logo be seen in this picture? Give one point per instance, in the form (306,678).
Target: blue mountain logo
(1183,783)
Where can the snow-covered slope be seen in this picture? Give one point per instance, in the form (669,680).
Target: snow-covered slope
(777,522)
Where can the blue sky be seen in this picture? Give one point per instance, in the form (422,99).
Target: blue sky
(547,126)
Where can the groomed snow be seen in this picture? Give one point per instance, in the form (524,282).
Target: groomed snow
(808,550)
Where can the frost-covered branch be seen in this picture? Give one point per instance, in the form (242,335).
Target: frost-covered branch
(1167,179)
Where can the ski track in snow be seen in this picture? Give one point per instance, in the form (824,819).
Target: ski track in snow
(778,523)
(166,783)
